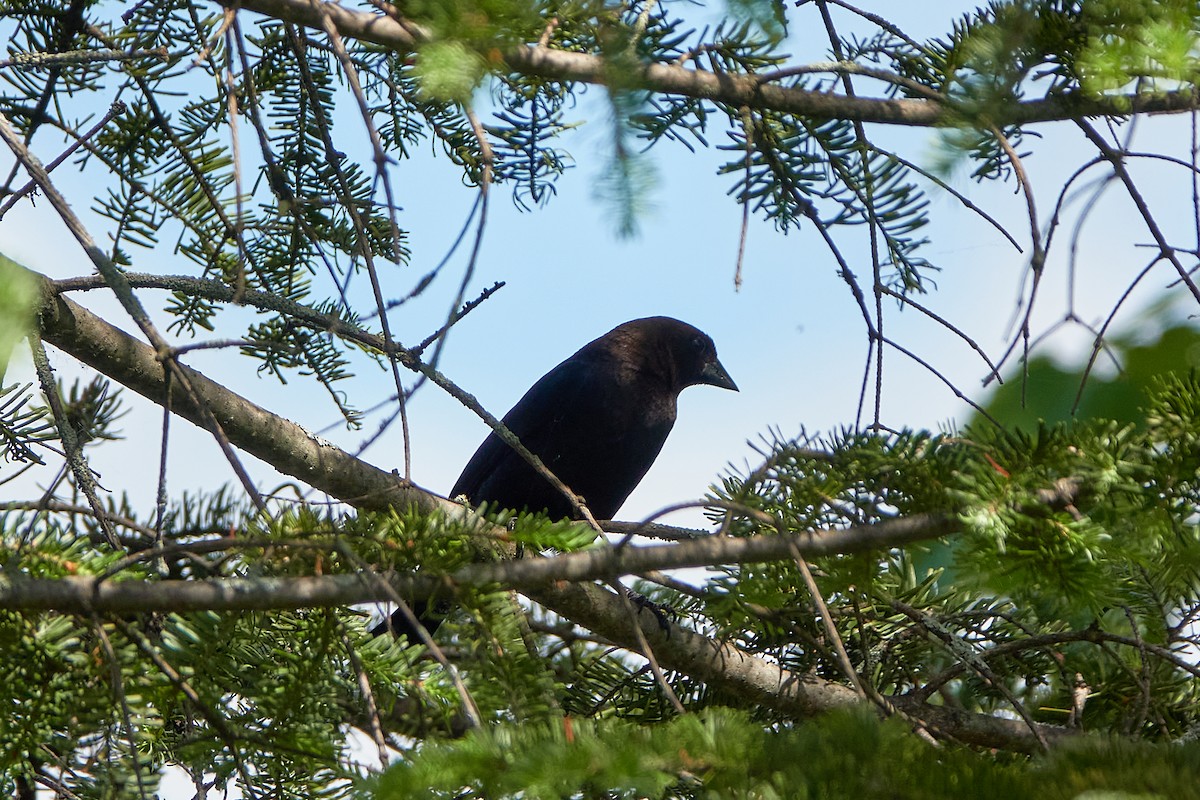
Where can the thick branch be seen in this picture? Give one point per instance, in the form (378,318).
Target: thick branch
(733,90)
(282,443)
(721,665)
(728,668)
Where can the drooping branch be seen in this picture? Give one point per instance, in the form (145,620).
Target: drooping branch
(733,90)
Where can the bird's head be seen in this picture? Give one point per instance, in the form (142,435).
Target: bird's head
(681,353)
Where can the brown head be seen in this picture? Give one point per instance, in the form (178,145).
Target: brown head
(682,355)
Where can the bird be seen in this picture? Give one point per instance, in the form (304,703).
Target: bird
(597,421)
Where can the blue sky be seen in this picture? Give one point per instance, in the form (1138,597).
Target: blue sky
(791,337)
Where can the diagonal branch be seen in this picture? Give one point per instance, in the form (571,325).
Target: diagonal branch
(287,446)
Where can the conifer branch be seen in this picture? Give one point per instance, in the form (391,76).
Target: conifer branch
(731,89)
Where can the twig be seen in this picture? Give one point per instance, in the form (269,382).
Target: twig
(547,32)
(1098,342)
(822,613)
(364,686)
(71,508)
(1038,259)
(115,110)
(366,571)
(42,60)
(949,384)
(686,534)
(235,146)
(865,190)
(1114,157)
(277,182)
(843,68)
(907,300)
(881,22)
(467,308)
(118,689)
(72,446)
(748,132)
(957,195)
(381,161)
(645,650)
(124,293)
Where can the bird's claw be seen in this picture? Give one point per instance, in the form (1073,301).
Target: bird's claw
(665,615)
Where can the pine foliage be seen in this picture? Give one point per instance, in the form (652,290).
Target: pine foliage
(1057,594)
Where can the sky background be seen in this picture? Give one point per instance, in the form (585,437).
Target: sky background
(791,337)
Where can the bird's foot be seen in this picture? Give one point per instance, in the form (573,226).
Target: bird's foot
(664,614)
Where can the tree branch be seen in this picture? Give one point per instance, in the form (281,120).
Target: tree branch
(722,665)
(282,443)
(80,594)
(294,451)
(758,681)
(733,90)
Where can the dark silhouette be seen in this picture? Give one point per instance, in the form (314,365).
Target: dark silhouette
(597,421)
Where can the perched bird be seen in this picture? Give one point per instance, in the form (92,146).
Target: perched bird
(597,421)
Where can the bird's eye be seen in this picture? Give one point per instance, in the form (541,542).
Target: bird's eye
(697,343)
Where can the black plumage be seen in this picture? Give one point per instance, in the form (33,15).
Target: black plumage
(597,421)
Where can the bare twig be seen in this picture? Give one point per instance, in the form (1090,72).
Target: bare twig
(59,507)
(118,689)
(467,308)
(115,110)
(364,686)
(1038,258)
(381,160)
(844,68)
(748,132)
(1116,158)
(908,301)
(949,384)
(43,60)
(1098,341)
(957,195)
(72,446)
(646,651)
(469,707)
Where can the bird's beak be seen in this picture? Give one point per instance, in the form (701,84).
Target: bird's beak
(714,374)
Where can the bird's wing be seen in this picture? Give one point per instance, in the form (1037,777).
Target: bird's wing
(549,420)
